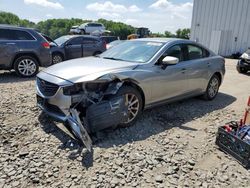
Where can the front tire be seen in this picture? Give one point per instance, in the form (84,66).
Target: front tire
(133,102)
(26,66)
(212,88)
(241,70)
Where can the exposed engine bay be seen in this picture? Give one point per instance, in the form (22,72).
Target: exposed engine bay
(95,107)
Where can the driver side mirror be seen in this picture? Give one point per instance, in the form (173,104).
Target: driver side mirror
(169,60)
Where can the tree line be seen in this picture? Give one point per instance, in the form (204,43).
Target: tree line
(58,27)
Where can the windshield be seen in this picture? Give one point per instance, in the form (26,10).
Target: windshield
(133,51)
(62,39)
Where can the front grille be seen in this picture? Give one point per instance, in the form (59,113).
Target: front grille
(47,88)
(54,109)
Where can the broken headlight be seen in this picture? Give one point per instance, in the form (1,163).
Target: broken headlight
(73,90)
(96,86)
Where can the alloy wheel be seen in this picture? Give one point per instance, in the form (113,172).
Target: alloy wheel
(27,67)
(57,59)
(213,87)
(132,102)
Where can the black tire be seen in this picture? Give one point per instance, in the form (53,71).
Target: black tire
(56,58)
(130,90)
(33,66)
(212,88)
(242,70)
(83,32)
(97,53)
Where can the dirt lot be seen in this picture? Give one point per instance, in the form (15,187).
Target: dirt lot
(170,146)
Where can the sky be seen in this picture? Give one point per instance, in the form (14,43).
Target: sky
(157,15)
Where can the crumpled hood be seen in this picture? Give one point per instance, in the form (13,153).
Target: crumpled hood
(86,69)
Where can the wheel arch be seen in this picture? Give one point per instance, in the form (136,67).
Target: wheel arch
(31,54)
(58,52)
(134,84)
(219,76)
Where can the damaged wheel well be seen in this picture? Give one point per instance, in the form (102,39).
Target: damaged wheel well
(130,83)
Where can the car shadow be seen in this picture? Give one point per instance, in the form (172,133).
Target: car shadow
(11,76)
(152,122)
(247,74)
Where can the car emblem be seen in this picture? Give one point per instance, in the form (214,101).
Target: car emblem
(43,83)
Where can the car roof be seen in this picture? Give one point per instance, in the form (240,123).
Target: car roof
(164,40)
(85,36)
(6,26)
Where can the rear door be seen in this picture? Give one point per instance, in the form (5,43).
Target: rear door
(197,67)
(8,47)
(90,46)
(73,48)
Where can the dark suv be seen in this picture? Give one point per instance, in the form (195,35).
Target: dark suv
(76,46)
(23,50)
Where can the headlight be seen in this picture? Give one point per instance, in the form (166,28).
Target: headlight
(83,87)
(73,90)
(244,56)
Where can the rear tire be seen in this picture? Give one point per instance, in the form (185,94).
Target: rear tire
(26,66)
(57,58)
(212,88)
(134,104)
(83,32)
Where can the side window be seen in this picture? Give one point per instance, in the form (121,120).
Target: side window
(23,35)
(89,41)
(75,41)
(175,51)
(206,53)
(194,52)
(5,34)
(8,34)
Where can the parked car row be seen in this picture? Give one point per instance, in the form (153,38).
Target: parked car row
(25,49)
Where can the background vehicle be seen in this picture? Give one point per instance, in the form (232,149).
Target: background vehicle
(23,50)
(75,46)
(243,65)
(91,27)
(116,86)
(114,43)
(75,30)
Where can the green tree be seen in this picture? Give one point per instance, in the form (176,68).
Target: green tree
(168,34)
(183,33)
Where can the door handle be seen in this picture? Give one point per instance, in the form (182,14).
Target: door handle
(183,70)
(10,43)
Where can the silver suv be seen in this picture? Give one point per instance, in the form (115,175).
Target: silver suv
(91,27)
(23,50)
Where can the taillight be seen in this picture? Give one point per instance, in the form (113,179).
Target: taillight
(46,45)
(105,45)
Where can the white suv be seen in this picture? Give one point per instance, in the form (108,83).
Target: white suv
(91,27)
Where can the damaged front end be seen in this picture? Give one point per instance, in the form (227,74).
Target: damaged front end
(94,107)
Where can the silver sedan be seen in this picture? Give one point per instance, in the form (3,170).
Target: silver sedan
(94,93)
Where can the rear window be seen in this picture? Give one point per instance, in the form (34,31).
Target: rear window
(94,25)
(90,41)
(8,34)
(109,39)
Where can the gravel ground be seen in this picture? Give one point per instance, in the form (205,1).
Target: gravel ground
(170,146)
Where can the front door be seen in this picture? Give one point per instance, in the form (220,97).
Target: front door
(170,82)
